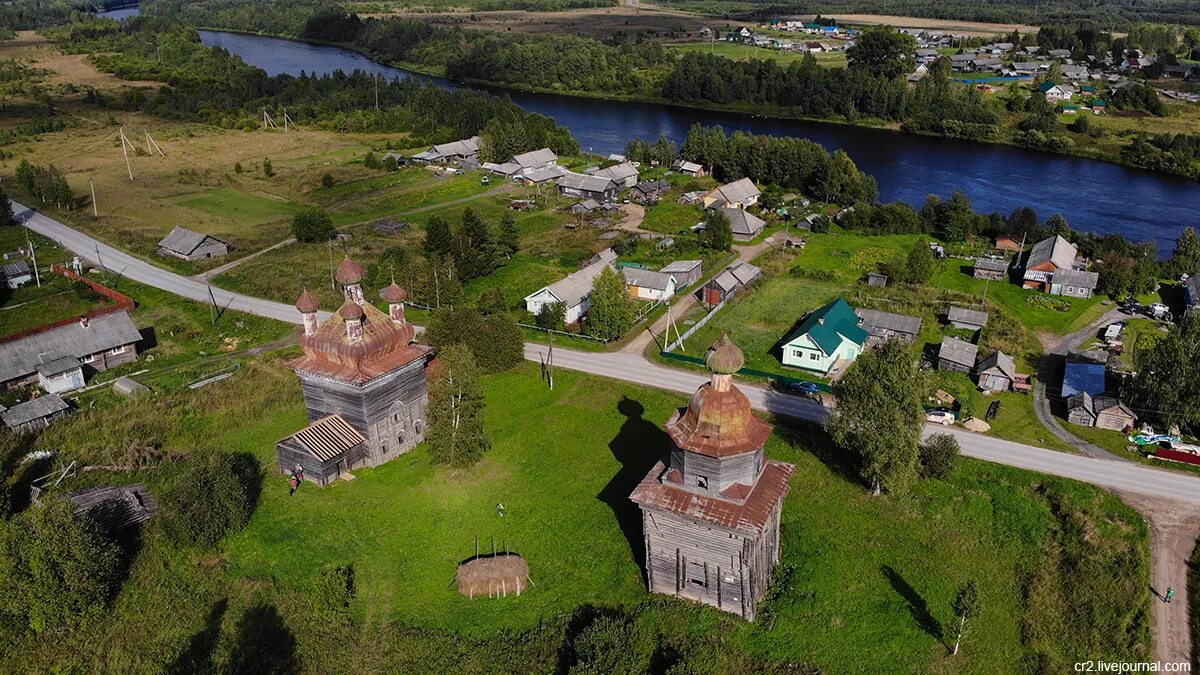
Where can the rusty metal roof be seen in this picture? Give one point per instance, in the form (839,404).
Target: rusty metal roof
(747,517)
(327,438)
(718,423)
(385,346)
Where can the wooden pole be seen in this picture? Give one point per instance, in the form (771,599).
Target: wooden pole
(33,254)
(125,152)
(95,209)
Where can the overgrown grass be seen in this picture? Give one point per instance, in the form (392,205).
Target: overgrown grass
(244,207)
(1062,566)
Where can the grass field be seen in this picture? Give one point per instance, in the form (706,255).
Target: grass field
(744,52)
(247,208)
(872,578)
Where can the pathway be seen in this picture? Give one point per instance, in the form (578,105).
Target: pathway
(221,269)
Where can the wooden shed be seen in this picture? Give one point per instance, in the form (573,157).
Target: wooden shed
(326,449)
(957,355)
(997,372)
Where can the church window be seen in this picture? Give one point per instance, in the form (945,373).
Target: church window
(702,482)
(695,575)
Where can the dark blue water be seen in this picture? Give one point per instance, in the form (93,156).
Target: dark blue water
(118,14)
(1092,195)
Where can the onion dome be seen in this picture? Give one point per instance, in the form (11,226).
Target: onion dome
(724,357)
(348,272)
(394,294)
(351,310)
(307,304)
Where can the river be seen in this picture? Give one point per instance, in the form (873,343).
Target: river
(1092,195)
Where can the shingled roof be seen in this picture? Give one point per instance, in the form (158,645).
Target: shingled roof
(327,438)
(658,491)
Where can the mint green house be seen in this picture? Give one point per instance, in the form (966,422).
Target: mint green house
(829,336)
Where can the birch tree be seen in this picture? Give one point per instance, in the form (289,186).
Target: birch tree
(456,406)
(966,606)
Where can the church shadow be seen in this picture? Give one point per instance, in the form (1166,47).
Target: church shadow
(917,605)
(263,644)
(198,657)
(637,446)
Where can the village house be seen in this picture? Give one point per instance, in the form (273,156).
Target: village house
(686,272)
(573,290)
(967,319)
(94,343)
(732,279)
(739,194)
(648,285)
(827,341)
(591,206)
(1056,93)
(507,169)
(1047,258)
(649,191)
(1102,412)
(364,368)
(34,414)
(16,274)
(624,175)
(957,355)
(997,372)
(445,153)
(886,325)
(743,224)
(586,187)
(990,268)
(188,245)
(535,159)
(688,168)
(711,514)
(1074,283)
(1008,242)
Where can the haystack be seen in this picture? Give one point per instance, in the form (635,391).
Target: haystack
(494,575)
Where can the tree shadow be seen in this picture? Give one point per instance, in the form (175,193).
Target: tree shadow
(263,644)
(916,604)
(637,446)
(813,440)
(250,473)
(197,658)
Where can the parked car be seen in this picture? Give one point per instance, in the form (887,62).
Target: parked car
(942,417)
(811,389)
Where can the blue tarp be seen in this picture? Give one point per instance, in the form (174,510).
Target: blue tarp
(987,80)
(1079,377)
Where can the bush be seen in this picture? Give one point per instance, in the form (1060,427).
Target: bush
(614,645)
(939,456)
(214,495)
(268,168)
(313,224)
(1082,124)
(552,316)
(495,340)
(327,180)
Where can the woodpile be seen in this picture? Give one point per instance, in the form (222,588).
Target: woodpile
(494,575)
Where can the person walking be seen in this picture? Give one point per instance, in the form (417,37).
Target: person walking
(1170,594)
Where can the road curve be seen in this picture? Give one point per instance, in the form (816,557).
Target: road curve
(125,265)
(1125,476)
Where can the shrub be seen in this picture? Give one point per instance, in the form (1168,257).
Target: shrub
(327,180)
(214,495)
(552,316)
(312,224)
(268,168)
(939,456)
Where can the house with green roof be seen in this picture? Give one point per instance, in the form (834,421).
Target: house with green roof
(827,336)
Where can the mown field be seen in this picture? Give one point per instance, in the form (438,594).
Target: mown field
(1062,567)
(743,52)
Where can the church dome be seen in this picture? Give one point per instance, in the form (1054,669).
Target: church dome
(350,310)
(394,294)
(718,421)
(348,272)
(724,357)
(384,346)
(307,303)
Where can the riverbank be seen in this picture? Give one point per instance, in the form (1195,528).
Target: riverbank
(1083,146)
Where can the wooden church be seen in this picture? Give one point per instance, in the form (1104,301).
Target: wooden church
(363,378)
(711,515)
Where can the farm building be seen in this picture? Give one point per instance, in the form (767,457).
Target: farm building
(686,272)
(1008,242)
(1074,283)
(115,508)
(543,175)
(886,325)
(738,194)
(60,374)
(688,168)
(586,187)
(466,149)
(34,414)
(731,280)
(957,355)
(710,516)
(16,274)
(967,319)
(97,343)
(997,372)
(648,284)
(877,279)
(1051,267)
(624,175)
(1085,372)
(363,366)
(1102,412)
(185,244)
(827,340)
(509,169)
(327,450)
(572,290)
(649,190)
(743,224)
(535,159)
(990,268)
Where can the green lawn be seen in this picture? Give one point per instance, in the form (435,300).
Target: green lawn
(247,208)
(744,52)
(1062,567)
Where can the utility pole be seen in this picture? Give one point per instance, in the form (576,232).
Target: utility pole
(33,254)
(124,142)
(95,209)
(99,260)
(332,283)
(212,308)
(550,360)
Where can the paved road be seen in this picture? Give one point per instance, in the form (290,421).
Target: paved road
(119,262)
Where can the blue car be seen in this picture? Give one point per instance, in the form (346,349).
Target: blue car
(811,388)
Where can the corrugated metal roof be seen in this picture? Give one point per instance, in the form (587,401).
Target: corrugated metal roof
(21,357)
(17,269)
(327,438)
(658,281)
(1053,249)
